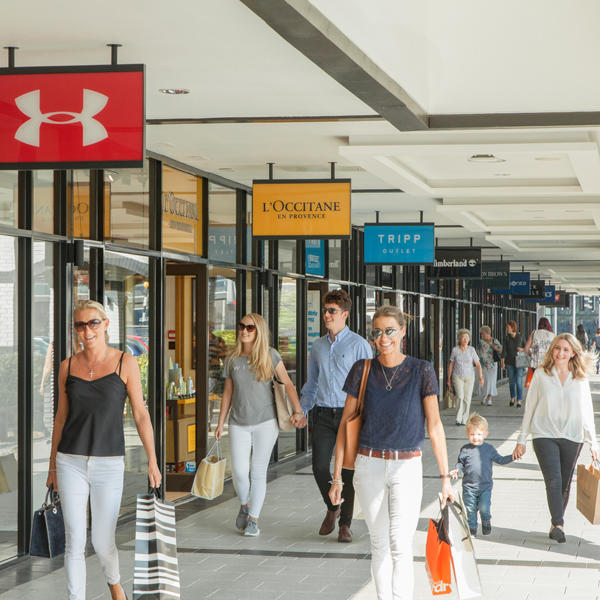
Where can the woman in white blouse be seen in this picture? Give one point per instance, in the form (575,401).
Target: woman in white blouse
(560,417)
(461,374)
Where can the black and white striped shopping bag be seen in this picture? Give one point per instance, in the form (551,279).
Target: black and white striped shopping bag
(156,575)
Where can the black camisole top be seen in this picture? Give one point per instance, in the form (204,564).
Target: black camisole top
(94,425)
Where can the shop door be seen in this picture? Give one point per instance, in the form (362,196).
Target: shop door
(186,378)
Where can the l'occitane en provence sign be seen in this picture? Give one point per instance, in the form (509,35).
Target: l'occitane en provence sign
(291,209)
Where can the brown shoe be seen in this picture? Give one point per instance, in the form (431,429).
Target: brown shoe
(328,524)
(344,534)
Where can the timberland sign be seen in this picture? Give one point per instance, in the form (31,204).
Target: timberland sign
(291,209)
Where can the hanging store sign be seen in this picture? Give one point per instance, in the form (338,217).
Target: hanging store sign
(494,274)
(301,209)
(315,258)
(72,117)
(537,289)
(549,295)
(399,243)
(455,263)
(520,285)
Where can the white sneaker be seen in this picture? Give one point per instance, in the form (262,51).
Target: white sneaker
(489,402)
(252,529)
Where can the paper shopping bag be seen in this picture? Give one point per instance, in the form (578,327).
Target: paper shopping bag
(449,398)
(438,559)
(464,566)
(588,493)
(156,572)
(210,475)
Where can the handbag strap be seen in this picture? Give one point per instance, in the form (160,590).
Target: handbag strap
(363,386)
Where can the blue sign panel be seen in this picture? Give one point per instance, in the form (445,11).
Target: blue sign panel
(399,243)
(520,284)
(549,295)
(315,257)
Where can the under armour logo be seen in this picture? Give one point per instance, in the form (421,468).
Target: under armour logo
(93,131)
(439,587)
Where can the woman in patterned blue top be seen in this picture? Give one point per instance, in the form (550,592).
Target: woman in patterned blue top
(401,394)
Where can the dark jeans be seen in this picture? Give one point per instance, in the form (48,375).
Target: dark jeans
(515,381)
(557,458)
(477,500)
(326,422)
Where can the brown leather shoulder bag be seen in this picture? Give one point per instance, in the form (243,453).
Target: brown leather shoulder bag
(354,424)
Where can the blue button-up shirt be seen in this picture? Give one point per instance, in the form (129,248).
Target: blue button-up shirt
(328,366)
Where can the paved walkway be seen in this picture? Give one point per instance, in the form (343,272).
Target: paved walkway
(290,561)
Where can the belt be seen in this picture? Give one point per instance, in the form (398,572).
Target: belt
(390,454)
(329,408)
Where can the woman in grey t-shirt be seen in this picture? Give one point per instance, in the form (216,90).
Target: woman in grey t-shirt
(253,428)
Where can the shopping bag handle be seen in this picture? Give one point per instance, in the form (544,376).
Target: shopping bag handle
(52,495)
(212,448)
(154,492)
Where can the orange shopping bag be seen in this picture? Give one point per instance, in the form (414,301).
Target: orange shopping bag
(530,372)
(438,559)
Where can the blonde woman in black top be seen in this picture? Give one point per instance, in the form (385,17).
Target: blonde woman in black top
(88,445)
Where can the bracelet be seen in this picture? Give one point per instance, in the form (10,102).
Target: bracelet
(338,481)
(445,476)
(51,470)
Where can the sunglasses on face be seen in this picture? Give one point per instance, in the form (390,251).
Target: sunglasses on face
(249,328)
(389,332)
(92,324)
(325,310)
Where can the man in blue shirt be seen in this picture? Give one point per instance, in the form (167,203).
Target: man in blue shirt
(330,360)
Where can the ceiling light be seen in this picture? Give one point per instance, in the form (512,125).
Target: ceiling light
(174,91)
(485,158)
(547,158)
(502,174)
(225,169)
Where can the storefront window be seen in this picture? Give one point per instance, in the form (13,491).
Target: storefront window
(42,324)
(127,203)
(8,406)
(335,259)
(371,274)
(387,276)
(286,343)
(371,305)
(43,201)
(79,200)
(127,305)
(9,183)
(221,223)
(287,256)
(222,327)
(182,211)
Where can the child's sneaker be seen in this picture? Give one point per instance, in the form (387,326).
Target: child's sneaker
(252,529)
(486,528)
(473,532)
(242,519)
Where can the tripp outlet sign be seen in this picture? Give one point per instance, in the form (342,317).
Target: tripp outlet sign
(72,117)
(399,243)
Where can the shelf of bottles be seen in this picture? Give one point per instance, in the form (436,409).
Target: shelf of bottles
(179,390)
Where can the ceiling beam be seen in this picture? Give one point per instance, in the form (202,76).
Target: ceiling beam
(493,120)
(306,29)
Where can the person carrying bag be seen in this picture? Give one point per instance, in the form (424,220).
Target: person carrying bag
(48,528)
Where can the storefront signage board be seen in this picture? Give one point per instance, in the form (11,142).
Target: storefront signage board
(315,258)
(519,284)
(72,117)
(550,295)
(399,243)
(537,288)
(301,209)
(456,263)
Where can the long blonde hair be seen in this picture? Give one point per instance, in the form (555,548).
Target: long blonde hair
(581,364)
(260,356)
(92,305)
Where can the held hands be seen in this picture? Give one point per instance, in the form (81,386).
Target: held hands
(519,451)
(298,420)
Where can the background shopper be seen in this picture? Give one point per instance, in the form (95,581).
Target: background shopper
(538,342)
(88,445)
(461,373)
(253,427)
(559,416)
(329,362)
(401,393)
(513,344)
(489,349)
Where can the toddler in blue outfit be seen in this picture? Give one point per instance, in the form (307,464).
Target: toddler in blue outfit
(475,465)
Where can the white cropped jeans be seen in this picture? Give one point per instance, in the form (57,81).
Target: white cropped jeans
(250,481)
(463,387)
(389,493)
(99,478)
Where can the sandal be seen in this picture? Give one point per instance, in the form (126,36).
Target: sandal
(511,403)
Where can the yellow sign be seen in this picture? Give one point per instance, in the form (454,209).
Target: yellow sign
(191,438)
(301,209)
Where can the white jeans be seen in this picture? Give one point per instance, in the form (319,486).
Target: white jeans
(463,388)
(251,481)
(389,493)
(100,479)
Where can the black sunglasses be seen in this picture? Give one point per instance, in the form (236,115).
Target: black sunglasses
(390,332)
(330,310)
(92,324)
(250,328)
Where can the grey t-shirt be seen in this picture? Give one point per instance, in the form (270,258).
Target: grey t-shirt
(252,401)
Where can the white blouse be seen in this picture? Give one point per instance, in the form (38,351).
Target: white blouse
(555,410)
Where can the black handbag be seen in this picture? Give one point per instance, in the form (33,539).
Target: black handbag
(48,528)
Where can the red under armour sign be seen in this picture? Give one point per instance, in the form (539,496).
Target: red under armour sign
(72,117)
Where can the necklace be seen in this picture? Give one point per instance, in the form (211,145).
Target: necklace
(388,382)
(98,362)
